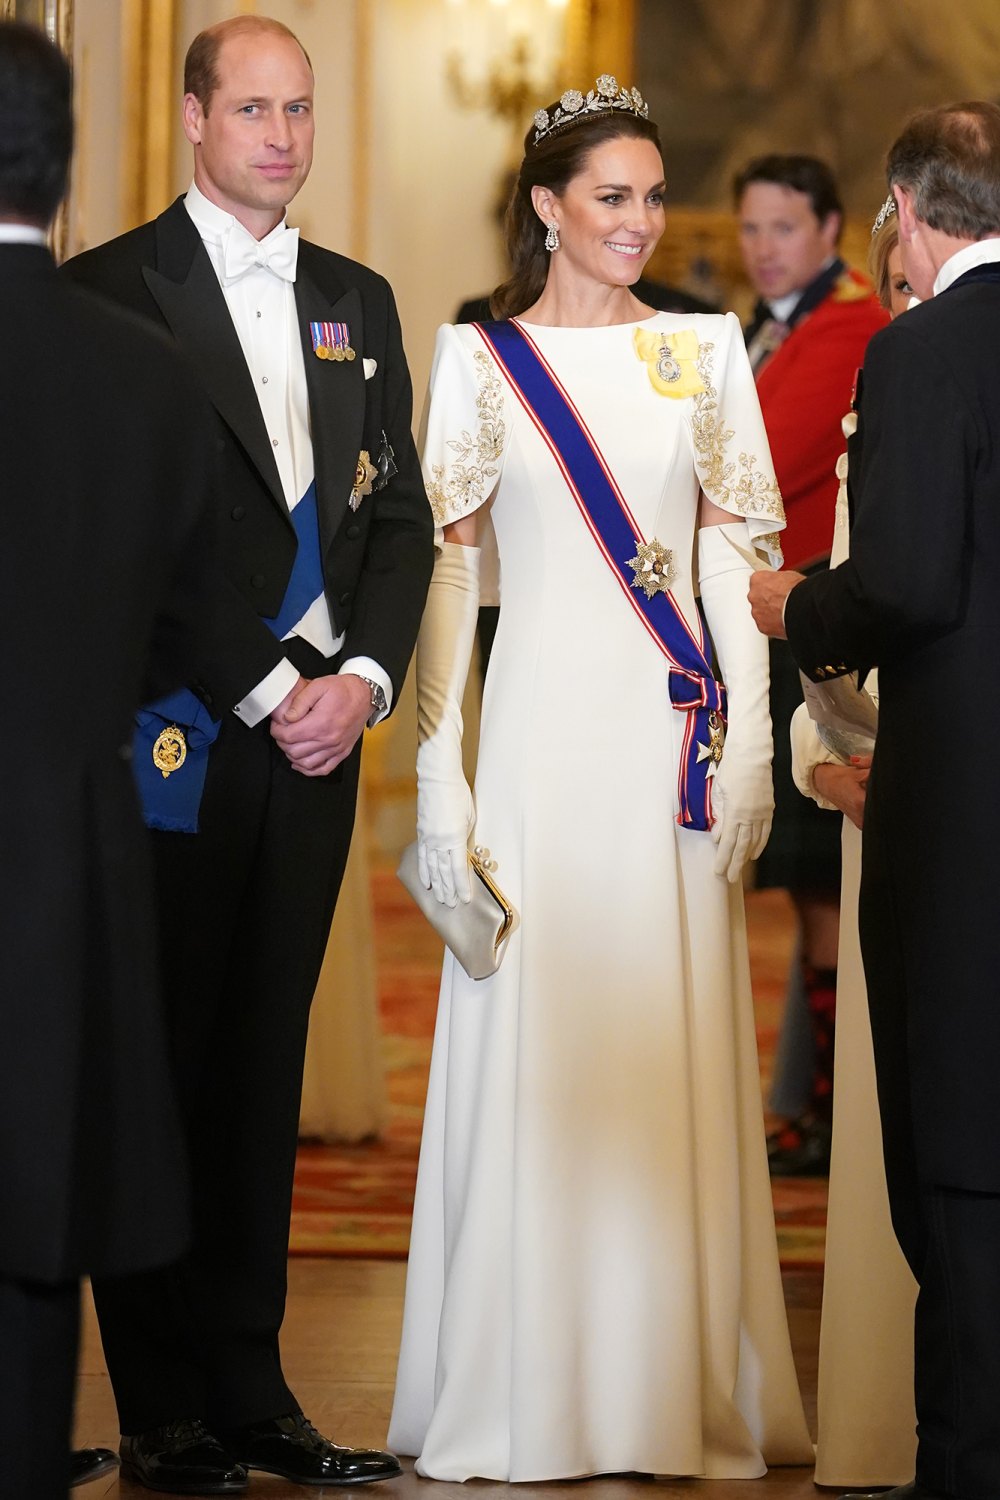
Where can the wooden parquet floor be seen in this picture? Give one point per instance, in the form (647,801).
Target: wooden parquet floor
(339,1353)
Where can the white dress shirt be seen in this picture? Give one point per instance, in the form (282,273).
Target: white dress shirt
(261,302)
(22,234)
(780,307)
(982,253)
(783,307)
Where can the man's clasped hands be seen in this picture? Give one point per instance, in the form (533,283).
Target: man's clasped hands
(320,721)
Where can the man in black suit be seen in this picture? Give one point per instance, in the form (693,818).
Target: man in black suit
(920,598)
(105,543)
(327,542)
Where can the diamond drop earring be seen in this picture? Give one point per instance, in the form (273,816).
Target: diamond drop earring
(552,236)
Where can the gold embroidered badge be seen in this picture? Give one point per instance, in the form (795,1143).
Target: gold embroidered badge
(169,751)
(364,474)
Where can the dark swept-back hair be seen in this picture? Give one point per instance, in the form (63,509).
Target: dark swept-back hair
(553,163)
(36,124)
(201,65)
(803,174)
(949,159)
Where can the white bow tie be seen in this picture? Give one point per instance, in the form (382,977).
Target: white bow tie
(243,253)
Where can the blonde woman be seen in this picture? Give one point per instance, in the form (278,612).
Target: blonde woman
(865,1414)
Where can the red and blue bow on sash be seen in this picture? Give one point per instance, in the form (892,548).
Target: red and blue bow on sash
(693,688)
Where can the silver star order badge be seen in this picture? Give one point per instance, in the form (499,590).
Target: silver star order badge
(653,566)
(716,740)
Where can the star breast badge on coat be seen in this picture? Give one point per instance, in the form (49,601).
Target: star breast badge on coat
(671,361)
(364,475)
(653,567)
(716,742)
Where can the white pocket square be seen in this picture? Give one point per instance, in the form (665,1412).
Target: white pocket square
(370,368)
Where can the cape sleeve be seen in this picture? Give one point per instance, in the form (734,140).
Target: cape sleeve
(731,451)
(465,430)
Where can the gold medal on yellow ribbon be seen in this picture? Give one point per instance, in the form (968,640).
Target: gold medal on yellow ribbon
(671,360)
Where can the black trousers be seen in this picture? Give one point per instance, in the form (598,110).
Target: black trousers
(949,1235)
(245,911)
(39,1331)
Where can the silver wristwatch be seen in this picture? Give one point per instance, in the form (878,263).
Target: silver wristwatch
(379,704)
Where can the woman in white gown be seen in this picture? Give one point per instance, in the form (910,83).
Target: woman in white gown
(593,1283)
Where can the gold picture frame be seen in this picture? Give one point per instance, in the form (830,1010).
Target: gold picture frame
(55,18)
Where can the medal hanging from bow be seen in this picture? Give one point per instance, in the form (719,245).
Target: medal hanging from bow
(671,360)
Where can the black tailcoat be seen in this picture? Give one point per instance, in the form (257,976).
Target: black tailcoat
(920,598)
(105,466)
(246,903)
(377,559)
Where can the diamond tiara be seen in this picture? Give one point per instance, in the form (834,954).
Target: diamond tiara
(888,208)
(606,95)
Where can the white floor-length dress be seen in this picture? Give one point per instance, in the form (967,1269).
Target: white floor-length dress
(593,1282)
(866,1422)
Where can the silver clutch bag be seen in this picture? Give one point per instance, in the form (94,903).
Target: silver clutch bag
(476,933)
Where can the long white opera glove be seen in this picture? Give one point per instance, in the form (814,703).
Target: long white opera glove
(742,792)
(445,811)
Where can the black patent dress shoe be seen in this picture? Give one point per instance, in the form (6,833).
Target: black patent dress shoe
(291,1446)
(182,1458)
(86,1464)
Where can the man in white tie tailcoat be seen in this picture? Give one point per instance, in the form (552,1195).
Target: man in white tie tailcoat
(326,539)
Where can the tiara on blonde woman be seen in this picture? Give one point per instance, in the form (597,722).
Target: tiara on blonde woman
(888,208)
(605,96)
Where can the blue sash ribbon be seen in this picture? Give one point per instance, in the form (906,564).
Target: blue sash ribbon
(691,682)
(172,802)
(305,582)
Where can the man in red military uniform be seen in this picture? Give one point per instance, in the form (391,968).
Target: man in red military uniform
(806,341)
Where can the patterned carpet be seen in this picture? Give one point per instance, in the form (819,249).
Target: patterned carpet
(356,1200)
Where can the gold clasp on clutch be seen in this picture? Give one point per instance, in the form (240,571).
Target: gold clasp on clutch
(483,867)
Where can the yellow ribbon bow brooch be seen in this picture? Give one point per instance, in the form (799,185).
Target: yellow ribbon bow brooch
(670,360)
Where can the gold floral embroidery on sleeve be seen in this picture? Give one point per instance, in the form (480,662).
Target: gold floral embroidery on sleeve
(733,484)
(460,486)
(769,543)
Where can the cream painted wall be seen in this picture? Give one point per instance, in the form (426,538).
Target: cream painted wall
(435,170)
(96,191)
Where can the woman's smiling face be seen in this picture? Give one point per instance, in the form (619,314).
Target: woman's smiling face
(610,215)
